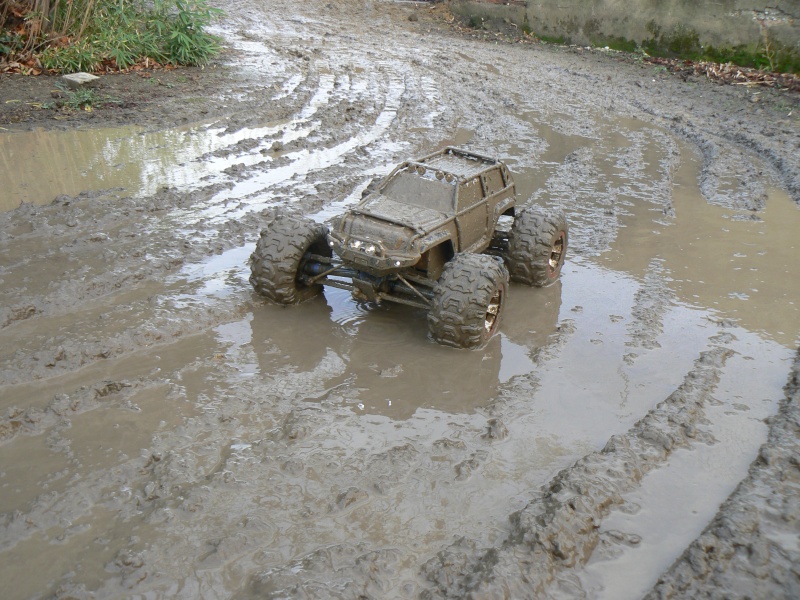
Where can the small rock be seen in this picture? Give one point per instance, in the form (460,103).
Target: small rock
(78,80)
(391,371)
(413,17)
(350,496)
(495,430)
(151,491)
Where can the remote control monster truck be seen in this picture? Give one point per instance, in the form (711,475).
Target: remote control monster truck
(428,235)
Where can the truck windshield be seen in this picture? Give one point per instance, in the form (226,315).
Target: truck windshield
(422,191)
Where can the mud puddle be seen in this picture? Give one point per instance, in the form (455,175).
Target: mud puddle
(40,165)
(362,424)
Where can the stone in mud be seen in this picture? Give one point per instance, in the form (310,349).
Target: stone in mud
(349,497)
(466,468)
(109,387)
(20,313)
(448,444)
(79,80)
(495,430)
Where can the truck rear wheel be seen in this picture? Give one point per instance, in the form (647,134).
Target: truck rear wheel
(276,265)
(537,247)
(468,301)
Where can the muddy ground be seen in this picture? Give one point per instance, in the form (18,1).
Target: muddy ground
(165,432)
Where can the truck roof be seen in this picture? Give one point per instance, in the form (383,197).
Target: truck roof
(455,162)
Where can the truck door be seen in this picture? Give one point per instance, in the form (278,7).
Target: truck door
(472,215)
(493,185)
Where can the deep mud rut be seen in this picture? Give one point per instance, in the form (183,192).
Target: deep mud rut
(166,433)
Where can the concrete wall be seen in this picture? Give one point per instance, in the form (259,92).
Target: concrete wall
(718,23)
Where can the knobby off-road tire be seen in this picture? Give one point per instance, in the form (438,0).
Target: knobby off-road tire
(537,247)
(277,262)
(468,301)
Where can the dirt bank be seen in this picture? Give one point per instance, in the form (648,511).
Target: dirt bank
(166,432)
(156,98)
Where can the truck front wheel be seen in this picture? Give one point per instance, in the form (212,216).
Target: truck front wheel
(468,301)
(276,265)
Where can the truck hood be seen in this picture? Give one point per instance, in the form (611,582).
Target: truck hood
(415,217)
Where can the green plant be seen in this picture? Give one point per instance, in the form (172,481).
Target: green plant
(79,56)
(615,43)
(554,39)
(526,25)
(684,41)
(476,22)
(81,98)
(82,35)
(84,98)
(10,42)
(183,30)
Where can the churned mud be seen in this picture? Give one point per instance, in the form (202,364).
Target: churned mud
(165,432)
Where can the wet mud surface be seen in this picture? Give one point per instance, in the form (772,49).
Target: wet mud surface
(631,431)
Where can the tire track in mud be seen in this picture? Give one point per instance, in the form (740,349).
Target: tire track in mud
(651,302)
(750,549)
(64,504)
(167,484)
(96,310)
(558,530)
(299,164)
(369,481)
(358,93)
(733,160)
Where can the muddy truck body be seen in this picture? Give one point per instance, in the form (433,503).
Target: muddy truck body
(431,235)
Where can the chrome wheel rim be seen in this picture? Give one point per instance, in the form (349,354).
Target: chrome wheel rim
(493,312)
(556,252)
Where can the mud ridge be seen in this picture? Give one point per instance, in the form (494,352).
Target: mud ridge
(34,421)
(558,530)
(650,305)
(750,197)
(750,549)
(790,172)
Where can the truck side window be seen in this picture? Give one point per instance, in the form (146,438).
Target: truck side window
(470,193)
(494,181)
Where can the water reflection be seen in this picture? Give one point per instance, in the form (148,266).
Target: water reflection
(36,166)
(732,262)
(392,367)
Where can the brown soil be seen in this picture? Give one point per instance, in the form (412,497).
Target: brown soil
(155,98)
